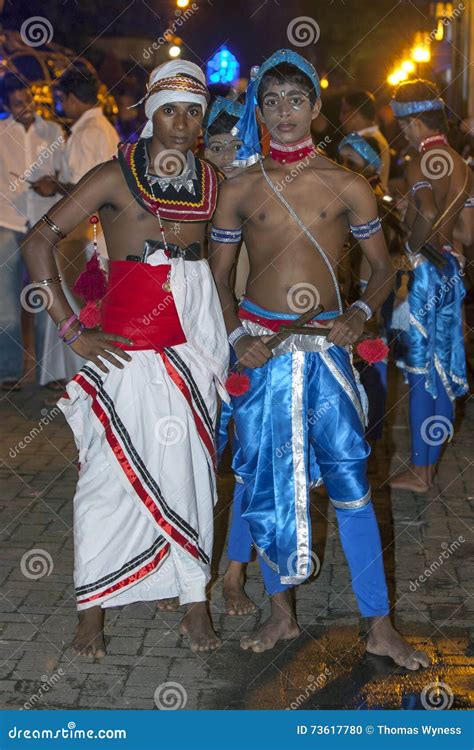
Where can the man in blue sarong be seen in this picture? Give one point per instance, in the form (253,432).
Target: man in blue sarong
(432,346)
(303,416)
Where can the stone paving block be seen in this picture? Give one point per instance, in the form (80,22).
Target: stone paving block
(120,645)
(19,632)
(146,676)
(105,685)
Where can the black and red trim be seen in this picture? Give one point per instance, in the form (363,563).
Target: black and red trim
(184,381)
(149,561)
(133,467)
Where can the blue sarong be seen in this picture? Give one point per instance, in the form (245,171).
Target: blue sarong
(304,417)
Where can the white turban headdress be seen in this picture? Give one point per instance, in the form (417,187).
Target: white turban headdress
(174,81)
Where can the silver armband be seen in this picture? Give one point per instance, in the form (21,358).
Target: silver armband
(364,307)
(236,334)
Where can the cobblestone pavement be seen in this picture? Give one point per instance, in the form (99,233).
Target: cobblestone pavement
(324,667)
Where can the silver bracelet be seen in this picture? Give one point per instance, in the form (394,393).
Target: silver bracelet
(360,305)
(47,282)
(236,334)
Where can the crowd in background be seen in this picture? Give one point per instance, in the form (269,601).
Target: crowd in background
(31,184)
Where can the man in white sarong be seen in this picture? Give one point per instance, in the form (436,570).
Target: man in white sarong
(143,408)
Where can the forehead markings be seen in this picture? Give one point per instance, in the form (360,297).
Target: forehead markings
(222,140)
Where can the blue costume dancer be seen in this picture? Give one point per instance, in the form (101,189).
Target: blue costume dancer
(432,348)
(303,416)
(221,149)
(363,156)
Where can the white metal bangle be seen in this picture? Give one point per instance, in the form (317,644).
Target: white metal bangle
(359,304)
(236,334)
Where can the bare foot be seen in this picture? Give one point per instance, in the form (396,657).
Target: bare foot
(89,639)
(280,626)
(197,627)
(168,605)
(411,480)
(235,599)
(384,640)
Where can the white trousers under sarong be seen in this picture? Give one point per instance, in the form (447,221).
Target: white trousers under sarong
(143,508)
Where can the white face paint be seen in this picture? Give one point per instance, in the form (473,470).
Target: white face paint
(294,99)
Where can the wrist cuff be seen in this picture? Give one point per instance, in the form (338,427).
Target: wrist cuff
(236,334)
(360,305)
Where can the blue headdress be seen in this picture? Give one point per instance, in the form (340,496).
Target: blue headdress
(408,109)
(363,148)
(220,105)
(247,128)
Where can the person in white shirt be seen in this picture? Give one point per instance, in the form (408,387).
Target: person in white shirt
(30,147)
(358,115)
(93,140)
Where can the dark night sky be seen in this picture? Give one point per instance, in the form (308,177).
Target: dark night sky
(359,38)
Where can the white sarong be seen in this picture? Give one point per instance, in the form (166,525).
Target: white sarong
(143,509)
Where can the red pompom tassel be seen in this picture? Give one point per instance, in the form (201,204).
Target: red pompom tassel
(237,384)
(372,350)
(92,283)
(90,314)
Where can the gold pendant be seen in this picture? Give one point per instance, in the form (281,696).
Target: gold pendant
(166,286)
